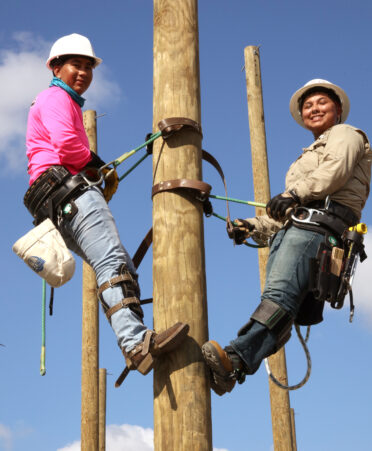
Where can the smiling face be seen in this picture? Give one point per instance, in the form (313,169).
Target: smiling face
(76,72)
(319,113)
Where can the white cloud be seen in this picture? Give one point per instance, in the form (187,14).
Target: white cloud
(126,436)
(6,439)
(22,75)
(130,438)
(361,285)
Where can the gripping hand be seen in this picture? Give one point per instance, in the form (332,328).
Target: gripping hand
(241,230)
(278,205)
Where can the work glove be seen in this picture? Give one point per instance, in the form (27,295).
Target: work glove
(240,231)
(277,207)
(111,183)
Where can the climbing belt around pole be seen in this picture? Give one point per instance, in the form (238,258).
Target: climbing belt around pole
(197,188)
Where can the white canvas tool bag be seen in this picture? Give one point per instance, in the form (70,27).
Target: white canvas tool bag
(45,252)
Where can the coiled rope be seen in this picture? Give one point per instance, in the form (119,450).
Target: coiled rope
(303,342)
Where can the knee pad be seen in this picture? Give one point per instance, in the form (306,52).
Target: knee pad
(275,318)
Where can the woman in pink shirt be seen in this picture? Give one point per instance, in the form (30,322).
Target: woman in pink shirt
(58,153)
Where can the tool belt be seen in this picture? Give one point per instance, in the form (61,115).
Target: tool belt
(332,270)
(50,191)
(319,217)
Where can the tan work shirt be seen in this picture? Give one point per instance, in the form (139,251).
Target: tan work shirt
(337,164)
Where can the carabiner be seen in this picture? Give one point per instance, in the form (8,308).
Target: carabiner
(100,174)
(309,214)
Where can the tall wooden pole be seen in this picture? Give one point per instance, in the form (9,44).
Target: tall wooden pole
(102,410)
(280,406)
(182,419)
(89,364)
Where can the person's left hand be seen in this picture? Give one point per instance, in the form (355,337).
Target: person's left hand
(277,207)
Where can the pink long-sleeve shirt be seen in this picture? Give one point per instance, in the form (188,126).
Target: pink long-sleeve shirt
(55,134)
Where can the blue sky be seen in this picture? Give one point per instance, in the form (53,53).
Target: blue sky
(299,41)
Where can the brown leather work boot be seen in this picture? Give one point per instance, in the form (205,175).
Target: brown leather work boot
(142,357)
(225,366)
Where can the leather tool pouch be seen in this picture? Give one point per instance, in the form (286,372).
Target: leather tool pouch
(50,193)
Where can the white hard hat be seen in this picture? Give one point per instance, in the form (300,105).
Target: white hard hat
(72,44)
(294,104)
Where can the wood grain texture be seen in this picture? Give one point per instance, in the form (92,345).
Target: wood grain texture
(181,388)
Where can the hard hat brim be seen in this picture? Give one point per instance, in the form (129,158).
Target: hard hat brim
(97,61)
(294,106)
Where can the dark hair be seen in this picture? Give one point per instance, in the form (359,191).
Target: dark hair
(330,93)
(60,60)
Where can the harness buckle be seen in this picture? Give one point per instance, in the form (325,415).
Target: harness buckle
(303,215)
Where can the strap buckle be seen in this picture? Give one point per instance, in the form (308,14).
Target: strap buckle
(303,215)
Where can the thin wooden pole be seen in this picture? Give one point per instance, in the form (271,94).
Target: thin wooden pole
(102,410)
(89,365)
(293,424)
(182,419)
(280,406)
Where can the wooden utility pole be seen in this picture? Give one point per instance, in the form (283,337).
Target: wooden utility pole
(182,419)
(280,406)
(89,364)
(102,410)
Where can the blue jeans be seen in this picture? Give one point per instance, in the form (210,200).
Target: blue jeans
(92,234)
(287,277)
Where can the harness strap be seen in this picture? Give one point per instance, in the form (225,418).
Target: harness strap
(147,342)
(171,125)
(196,186)
(115,281)
(201,189)
(128,301)
(332,222)
(335,208)
(122,377)
(142,249)
(124,303)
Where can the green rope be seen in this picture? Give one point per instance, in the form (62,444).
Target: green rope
(132,152)
(133,167)
(255,246)
(246,202)
(42,356)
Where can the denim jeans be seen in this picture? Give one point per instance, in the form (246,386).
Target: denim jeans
(287,276)
(92,234)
